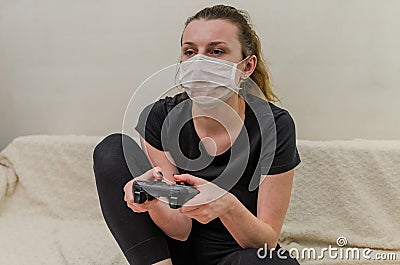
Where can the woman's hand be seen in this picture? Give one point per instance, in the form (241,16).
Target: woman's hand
(152,174)
(212,201)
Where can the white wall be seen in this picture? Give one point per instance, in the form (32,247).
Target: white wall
(70,67)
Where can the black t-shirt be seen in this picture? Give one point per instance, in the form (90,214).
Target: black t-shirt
(265,145)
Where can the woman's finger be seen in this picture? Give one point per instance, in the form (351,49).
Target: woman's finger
(187,178)
(157,174)
(150,174)
(134,207)
(128,191)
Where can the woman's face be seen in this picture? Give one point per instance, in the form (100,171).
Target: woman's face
(215,38)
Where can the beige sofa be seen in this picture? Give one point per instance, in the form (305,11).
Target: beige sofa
(49,211)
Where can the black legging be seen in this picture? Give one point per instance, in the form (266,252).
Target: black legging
(141,241)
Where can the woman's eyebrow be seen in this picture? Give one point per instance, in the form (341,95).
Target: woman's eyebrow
(215,43)
(189,43)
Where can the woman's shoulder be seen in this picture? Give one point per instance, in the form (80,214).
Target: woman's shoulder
(169,102)
(279,113)
(284,122)
(271,117)
(162,106)
(262,108)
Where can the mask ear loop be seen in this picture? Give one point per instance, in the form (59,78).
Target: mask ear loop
(245,76)
(179,72)
(242,81)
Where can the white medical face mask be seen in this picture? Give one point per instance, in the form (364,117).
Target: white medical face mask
(208,80)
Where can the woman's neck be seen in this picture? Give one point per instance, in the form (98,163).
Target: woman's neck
(222,118)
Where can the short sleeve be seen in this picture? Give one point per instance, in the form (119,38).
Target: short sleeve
(286,156)
(150,124)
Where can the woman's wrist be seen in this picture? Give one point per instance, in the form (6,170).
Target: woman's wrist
(156,206)
(231,203)
(170,221)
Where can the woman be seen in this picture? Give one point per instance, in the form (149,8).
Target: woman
(221,225)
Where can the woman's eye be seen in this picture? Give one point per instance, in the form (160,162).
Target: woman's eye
(217,52)
(189,52)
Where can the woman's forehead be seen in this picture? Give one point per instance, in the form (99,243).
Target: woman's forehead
(203,32)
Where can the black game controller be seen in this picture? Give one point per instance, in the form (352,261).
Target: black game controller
(177,194)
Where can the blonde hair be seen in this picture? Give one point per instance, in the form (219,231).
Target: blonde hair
(248,38)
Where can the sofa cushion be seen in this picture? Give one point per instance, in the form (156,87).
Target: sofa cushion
(55,176)
(345,189)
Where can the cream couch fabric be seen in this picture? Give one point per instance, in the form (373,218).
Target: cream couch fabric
(49,210)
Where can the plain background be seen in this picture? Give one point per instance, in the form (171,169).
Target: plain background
(71,67)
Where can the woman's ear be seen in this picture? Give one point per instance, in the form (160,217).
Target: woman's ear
(249,66)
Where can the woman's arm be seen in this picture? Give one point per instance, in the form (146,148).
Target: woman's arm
(171,221)
(248,230)
(273,201)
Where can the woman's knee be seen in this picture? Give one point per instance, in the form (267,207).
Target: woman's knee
(108,155)
(107,146)
(119,154)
